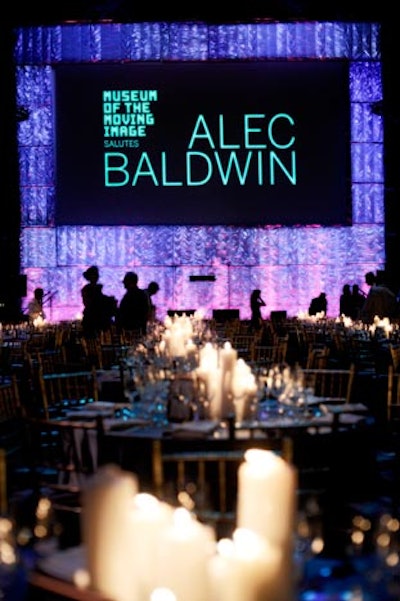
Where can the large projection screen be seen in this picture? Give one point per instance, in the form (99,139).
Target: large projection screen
(290,257)
(203,143)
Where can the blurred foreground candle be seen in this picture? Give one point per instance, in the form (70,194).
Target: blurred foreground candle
(149,517)
(267,506)
(267,495)
(184,553)
(246,568)
(107,532)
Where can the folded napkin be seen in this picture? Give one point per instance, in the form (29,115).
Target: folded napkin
(344,408)
(100,405)
(118,423)
(317,400)
(201,428)
(86,413)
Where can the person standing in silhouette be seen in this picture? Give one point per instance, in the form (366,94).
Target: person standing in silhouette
(98,308)
(150,291)
(380,302)
(35,306)
(358,300)
(319,304)
(346,302)
(256,302)
(132,312)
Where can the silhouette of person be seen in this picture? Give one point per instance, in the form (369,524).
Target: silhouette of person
(358,302)
(150,291)
(380,301)
(346,302)
(99,309)
(35,306)
(319,304)
(132,312)
(256,302)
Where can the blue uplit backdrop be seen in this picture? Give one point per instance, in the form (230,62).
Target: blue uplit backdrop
(289,264)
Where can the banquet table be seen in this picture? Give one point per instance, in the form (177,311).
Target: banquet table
(117,433)
(321,577)
(128,442)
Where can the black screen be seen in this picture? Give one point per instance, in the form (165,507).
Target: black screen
(210,143)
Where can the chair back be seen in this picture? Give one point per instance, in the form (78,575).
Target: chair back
(393,400)
(205,479)
(10,404)
(12,439)
(395,356)
(63,390)
(337,384)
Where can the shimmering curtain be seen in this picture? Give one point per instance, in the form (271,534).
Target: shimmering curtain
(289,264)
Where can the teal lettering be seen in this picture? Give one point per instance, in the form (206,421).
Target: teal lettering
(189,174)
(274,159)
(164,172)
(108,169)
(248,130)
(233,161)
(144,160)
(222,135)
(270,132)
(197,135)
(199,168)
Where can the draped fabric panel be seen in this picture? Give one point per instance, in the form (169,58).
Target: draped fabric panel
(289,264)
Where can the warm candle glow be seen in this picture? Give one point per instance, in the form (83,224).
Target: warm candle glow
(247,568)
(266,495)
(162,594)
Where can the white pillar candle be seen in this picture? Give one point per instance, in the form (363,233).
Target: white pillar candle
(149,517)
(227,361)
(177,343)
(267,506)
(107,533)
(209,372)
(162,594)
(246,568)
(267,496)
(244,388)
(228,357)
(213,379)
(184,553)
(208,356)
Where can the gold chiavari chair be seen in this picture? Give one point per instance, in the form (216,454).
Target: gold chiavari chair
(331,384)
(317,357)
(264,356)
(243,344)
(363,353)
(395,356)
(13,356)
(393,400)
(66,389)
(205,480)
(13,434)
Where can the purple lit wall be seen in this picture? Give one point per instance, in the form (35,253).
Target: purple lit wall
(289,264)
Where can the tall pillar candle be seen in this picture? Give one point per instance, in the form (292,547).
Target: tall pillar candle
(149,518)
(227,360)
(185,550)
(267,495)
(245,568)
(107,532)
(267,506)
